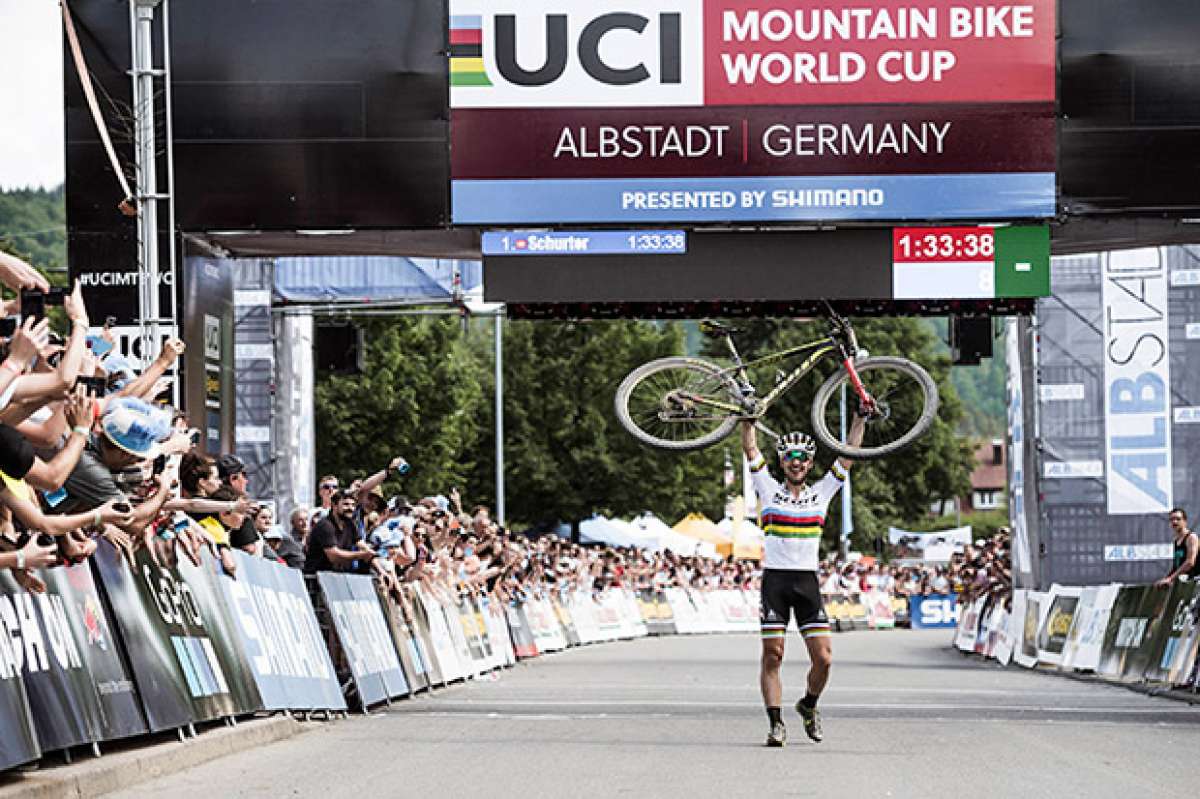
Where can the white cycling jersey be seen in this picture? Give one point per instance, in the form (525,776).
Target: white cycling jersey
(793,524)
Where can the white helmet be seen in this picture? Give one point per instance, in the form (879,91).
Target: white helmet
(794,441)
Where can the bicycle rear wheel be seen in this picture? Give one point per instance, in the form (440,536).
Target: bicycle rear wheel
(907,398)
(677,403)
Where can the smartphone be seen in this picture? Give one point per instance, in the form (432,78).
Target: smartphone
(96,386)
(33,303)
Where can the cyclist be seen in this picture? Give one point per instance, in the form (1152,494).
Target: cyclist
(793,517)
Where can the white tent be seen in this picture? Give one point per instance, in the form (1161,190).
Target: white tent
(599,530)
(631,536)
(614,533)
(653,528)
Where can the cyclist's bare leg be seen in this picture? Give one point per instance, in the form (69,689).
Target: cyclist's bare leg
(820,652)
(768,676)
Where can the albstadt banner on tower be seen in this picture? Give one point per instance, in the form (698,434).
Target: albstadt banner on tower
(730,110)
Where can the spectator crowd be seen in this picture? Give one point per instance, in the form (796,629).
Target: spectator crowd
(90,448)
(984,568)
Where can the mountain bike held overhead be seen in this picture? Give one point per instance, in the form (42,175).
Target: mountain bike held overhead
(686,403)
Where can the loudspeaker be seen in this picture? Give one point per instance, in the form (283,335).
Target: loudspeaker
(339,349)
(970,339)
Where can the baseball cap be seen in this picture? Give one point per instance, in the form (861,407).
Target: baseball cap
(135,426)
(228,465)
(274,531)
(119,369)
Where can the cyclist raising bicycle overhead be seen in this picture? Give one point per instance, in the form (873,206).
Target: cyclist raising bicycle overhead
(793,517)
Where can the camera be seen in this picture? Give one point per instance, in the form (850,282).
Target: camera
(8,326)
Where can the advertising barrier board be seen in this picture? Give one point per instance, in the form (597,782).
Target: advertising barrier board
(1174,635)
(185,663)
(60,642)
(1055,630)
(1031,605)
(278,632)
(358,619)
(1127,627)
(1087,628)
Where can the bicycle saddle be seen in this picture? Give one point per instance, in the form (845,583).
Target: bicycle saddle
(715,329)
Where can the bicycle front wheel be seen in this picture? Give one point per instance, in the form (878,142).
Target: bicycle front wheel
(906,397)
(678,403)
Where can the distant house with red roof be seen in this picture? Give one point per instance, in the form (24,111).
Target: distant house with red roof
(989,480)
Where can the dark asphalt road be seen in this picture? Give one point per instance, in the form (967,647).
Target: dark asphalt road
(905,715)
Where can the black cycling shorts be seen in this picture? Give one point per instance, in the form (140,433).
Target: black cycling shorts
(786,592)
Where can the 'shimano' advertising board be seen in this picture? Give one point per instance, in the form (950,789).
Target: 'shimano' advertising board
(728,110)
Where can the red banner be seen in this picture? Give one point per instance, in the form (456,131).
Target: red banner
(840,52)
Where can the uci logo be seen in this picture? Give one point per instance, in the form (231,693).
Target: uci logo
(556,53)
(588,49)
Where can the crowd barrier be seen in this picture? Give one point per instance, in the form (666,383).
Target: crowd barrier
(870,610)
(114,649)
(1132,634)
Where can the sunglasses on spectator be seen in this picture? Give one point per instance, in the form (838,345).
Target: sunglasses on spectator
(796,455)
(329,486)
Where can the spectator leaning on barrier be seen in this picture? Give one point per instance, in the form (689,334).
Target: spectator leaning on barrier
(245,536)
(130,432)
(1186,555)
(331,543)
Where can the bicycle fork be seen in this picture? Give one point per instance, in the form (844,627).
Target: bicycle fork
(865,400)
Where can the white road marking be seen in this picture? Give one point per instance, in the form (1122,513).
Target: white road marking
(917,706)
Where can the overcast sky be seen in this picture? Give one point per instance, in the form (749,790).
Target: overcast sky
(31,129)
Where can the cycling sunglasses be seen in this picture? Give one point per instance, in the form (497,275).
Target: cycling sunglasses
(797,455)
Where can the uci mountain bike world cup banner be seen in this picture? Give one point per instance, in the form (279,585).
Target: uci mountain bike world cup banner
(732,110)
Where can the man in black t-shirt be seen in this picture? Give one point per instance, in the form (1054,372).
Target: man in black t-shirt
(328,546)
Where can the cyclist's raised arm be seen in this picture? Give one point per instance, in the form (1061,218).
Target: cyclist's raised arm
(749,439)
(854,437)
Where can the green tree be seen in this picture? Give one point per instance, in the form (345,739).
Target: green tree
(419,397)
(894,490)
(566,454)
(33,226)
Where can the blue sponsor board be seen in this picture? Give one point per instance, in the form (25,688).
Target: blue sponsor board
(754,199)
(584,242)
(933,611)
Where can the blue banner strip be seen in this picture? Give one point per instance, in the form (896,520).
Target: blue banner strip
(754,199)
(584,242)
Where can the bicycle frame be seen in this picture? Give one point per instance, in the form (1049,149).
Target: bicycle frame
(817,350)
(752,408)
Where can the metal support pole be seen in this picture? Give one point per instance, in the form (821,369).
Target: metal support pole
(847,517)
(143,73)
(500,417)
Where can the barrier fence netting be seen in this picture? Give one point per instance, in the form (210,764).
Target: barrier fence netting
(115,648)
(1141,635)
